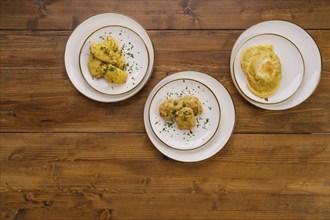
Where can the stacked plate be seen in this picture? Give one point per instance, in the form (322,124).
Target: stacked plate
(214,126)
(132,39)
(300,60)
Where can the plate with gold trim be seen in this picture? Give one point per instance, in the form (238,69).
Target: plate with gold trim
(308,49)
(207,123)
(292,67)
(224,129)
(133,39)
(134,50)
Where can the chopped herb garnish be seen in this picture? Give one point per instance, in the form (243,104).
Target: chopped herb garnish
(130,54)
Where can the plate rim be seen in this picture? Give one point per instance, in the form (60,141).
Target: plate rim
(255,29)
(79,83)
(222,136)
(219,113)
(83,74)
(238,85)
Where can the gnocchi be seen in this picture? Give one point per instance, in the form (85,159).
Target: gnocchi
(108,61)
(183,110)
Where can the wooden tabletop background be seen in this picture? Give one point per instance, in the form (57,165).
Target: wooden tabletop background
(64,156)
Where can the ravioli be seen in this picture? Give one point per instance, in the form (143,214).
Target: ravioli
(263,70)
(108,61)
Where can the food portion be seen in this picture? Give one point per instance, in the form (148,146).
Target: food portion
(108,61)
(114,75)
(168,108)
(185,119)
(183,110)
(111,43)
(193,103)
(263,70)
(95,67)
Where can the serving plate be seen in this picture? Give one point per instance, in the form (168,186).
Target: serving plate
(292,63)
(223,132)
(308,49)
(77,43)
(207,123)
(135,53)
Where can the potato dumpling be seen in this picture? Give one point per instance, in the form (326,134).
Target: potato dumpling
(263,70)
(108,61)
(95,67)
(185,119)
(121,62)
(114,75)
(183,110)
(168,108)
(110,73)
(193,103)
(111,43)
(105,54)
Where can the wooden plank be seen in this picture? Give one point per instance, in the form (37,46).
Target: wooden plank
(294,165)
(109,214)
(119,178)
(140,184)
(184,201)
(169,14)
(29,105)
(201,204)
(70,147)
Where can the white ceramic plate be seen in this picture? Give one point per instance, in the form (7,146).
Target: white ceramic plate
(292,67)
(206,124)
(225,128)
(136,56)
(307,47)
(76,42)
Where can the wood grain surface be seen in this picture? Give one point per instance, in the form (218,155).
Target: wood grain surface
(64,156)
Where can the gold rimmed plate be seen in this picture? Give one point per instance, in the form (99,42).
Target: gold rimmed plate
(308,49)
(223,131)
(207,123)
(98,26)
(292,63)
(135,53)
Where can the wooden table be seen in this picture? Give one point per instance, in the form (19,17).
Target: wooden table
(64,156)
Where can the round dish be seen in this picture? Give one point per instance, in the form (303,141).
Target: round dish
(207,123)
(307,47)
(76,41)
(223,133)
(292,67)
(136,56)
(135,52)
